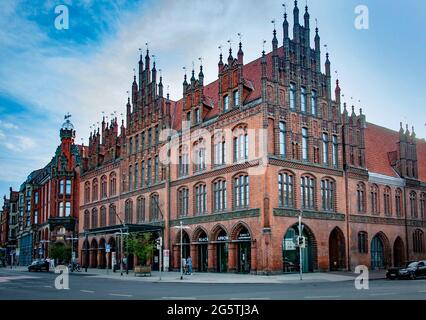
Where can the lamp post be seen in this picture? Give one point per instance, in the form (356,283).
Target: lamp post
(72,248)
(300,246)
(181,227)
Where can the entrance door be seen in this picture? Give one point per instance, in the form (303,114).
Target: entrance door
(377,253)
(398,253)
(244,257)
(202,257)
(222,257)
(337,250)
(291,253)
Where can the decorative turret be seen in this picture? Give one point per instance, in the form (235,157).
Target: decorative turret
(240,54)
(220,64)
(201,76)
(230,57)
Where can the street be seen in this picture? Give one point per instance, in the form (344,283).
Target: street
(41,285)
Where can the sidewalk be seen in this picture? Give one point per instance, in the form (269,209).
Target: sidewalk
(223,277)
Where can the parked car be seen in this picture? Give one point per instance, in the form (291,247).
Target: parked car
(393,272)
(413,270)
(39,265)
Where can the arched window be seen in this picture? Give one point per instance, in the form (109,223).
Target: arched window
(386,201)
(413,204)
(418,241)
(130,179)
(325,144)
(327,194)
(183,161)
(87,192)
(305,144)
(183,201)
(282,138)
(112,215)
(128,211)
(103,217)
(398,202)
(94,218)
(95,190)
(200,199)
(374,196)
(112,184)
(286,190)
(219,195)
(154,207)
(136,179)
(240,144)
(241,191)
(86,220)
(335,151)
(104,187)
(362,242)
(360,193)
(307,191)
(199,156)
(140,210)
(423,205)
(219,149)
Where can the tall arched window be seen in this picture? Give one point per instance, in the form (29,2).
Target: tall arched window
(154,209)
(104,187)
(305,144)
(241,191)
(307,191)
(413,204)
(112,184)
(130,175)
(183,161)
(387,201)
(95,190)
(219,195)
(423,205)
(374,196)
(240,143)
(325,144)
(200,199)
(94,218)
(103,217)
(327,194)
(360,193)
(286,190)
(87,192)
(398,202)
(140,210)
(199,156)
(219,149)
(86,220)
(128,211)
(183,202)
(282,138)
(112,215)
(418,241)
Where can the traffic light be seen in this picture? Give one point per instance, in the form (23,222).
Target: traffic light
(159,242)
(301,241)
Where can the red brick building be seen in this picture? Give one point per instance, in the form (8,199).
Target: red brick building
(236,161)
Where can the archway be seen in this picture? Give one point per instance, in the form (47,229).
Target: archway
(291,256)
(337,250)
(102,254)
(380,252)
(111,256)
(94,254)
(398,253)
(200,237)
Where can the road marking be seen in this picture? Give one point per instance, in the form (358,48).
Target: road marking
(421,291)
(120,295)
(321,297)
(382,294)
(179,298)
(48,286)
(259,298)
(87,291)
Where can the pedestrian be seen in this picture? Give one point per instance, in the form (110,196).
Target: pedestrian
(189,264)
(184,265)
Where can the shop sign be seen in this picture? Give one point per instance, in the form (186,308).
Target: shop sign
(222,238)
(244,236)
(289,244)
(205,239)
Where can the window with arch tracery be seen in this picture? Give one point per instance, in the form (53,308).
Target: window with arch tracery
(286,190)
(307,192)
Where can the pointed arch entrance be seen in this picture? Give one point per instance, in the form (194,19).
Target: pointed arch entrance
(102,254)
(241,238)
(94,254)
(380,252)
(221,240)
(111,256)
(398,253)
(201,240)
(291,256)
(85,254)
(337,250)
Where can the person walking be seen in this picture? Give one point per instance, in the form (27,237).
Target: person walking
(189,264)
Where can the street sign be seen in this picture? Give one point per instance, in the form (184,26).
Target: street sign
(166,259)
(108,248)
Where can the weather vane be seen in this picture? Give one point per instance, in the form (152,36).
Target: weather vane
(201,60)
(240,36)
(67,116)
(273,22)
(264,41)
(285,8)
(220,48)
(230,43)
(184,68)
(147,46)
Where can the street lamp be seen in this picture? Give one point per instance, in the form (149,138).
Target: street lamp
(299,240)
(121,233)
(181,227)
(72,248)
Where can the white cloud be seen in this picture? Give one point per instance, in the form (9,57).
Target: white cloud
(8,125)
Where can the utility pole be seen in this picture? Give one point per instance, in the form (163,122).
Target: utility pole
(72,248)
(181,227)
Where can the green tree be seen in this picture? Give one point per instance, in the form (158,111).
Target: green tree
(142,246)
(61,252)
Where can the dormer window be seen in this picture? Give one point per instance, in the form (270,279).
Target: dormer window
(236,98)
(197,116)
(225,103)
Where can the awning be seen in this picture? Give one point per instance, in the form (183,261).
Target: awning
(128,228)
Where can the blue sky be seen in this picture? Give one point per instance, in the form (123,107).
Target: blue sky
(87,69)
